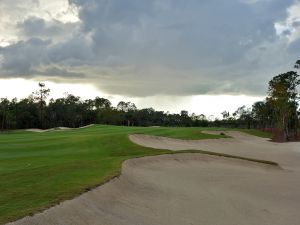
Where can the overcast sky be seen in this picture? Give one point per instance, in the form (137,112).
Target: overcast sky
(201,55)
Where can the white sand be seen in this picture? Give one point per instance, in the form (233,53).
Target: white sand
(188,189)
(286,154)
(57,129)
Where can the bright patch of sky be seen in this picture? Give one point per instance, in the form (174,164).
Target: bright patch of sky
(210,105)
(17,11)
(289,27)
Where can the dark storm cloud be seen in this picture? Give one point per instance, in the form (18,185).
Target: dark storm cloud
(38,27)
(76,51)
(139,47)
(23,59)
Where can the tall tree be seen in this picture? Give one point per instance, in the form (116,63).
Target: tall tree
(102,103)
(4,104)
(40,96)
(263,114)
(225,115)
(283,96)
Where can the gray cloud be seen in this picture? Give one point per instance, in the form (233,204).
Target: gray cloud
(19,59)
(142,48)
(25,58)
(40,28)
(75,52)
(294,47)
(58,72)
(296,24)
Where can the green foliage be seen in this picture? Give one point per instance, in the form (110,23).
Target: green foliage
(71,111)
(283,96)
(257,133)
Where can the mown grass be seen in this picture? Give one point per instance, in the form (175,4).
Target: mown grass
(258,133)
(38,170)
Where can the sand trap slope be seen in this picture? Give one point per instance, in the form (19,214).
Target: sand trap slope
(184,189)
(286,154)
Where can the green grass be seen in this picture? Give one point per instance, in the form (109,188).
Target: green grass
(38,170)
(258,133)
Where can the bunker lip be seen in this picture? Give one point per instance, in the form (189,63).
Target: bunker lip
(192,146)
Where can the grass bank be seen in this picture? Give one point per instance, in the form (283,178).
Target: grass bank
(258,133)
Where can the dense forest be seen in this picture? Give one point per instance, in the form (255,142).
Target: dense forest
(278,110)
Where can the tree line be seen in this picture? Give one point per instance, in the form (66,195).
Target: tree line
(278,110)
(72,111)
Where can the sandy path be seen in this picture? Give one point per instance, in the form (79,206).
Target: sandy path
(188,189)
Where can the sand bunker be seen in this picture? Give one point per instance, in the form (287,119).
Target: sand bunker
(56,129)
(185,189)
(241,144)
